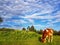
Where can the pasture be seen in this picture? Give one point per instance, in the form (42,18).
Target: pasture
(24,38)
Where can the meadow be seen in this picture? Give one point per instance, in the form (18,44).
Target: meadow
(19,37)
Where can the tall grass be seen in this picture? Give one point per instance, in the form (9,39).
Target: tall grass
(24,38)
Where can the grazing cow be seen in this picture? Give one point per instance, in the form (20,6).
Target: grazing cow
(47,35)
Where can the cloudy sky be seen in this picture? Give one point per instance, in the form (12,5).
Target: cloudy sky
(23,13)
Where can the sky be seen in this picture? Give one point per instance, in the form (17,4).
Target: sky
(42,14)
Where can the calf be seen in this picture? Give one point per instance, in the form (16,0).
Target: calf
(47,35)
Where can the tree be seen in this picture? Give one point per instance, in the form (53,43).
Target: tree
(40,31)
(1,20)
(55,32)
(28,28)
(6,29)
(58,32)
(32,28)
(23,29)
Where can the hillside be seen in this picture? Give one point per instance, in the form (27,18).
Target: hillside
(18,37)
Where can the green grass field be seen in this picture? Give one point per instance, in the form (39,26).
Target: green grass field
(24,38)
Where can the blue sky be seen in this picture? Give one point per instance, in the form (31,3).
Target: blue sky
(23,13)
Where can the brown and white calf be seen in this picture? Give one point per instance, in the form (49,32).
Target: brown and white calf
(47,35)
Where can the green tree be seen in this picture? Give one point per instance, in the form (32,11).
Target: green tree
(23,28)
(55,32)
(1,20)
(28,28)
(6,29)
(32,29)
(58,32)
(40,31)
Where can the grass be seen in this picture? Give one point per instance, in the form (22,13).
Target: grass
(24,38)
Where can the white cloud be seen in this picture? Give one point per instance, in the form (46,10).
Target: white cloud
(33,16)
(31,9)
(19,21)
(47,17)
(38,25)
(7,16)
(56,21)
(30,20)
(18,6)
